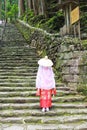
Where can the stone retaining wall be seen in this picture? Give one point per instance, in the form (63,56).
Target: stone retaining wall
(68,55)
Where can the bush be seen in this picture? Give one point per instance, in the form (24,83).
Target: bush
(51,25)
(55,22)
(82,88)
(36,20)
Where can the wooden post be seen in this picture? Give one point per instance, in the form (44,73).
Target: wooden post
(74,30)
(70,26)
(67,20)
(79,29)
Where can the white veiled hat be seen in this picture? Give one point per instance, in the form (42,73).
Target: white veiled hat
(45,62)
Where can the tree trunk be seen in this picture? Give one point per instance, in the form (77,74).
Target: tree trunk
(35,6)
(39,7)
(42,7)
(30,6)
(59,1)
(10,1)
(21,7)
(0,9)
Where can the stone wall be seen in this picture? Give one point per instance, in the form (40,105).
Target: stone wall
(68,55)
(74,68)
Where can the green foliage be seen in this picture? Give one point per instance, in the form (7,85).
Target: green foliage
(27,15)
(3,14)
(84,44)
(50,24)
(83,22)
(30,14)
(83,8)
(82,88)
(56,21)
(11,11)
(36,20)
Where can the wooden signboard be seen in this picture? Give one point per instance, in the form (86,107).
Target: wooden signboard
(74,15)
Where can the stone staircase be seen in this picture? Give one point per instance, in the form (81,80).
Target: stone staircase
(19,107)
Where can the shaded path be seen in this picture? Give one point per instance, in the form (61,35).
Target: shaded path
(19,107)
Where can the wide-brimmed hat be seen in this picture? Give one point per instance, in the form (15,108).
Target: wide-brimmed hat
(45,62)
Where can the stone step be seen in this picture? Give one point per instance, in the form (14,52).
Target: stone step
(13,55)
(24,80)
(16,89)
(30,51)
(18,59)
(18,64)
(30,83)
(63,119)
(25,89)
(17,78)
(45,119)
(8,68)
(29,71)
(28,93)
(35,105)
(14,47)
(9,89)
(32,112)
(20,49)
(33,126)
(14,67)
(30,99)
(14,83)
(16,74)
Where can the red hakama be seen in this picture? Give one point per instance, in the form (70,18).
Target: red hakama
(45,97)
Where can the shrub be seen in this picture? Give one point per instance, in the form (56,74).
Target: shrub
(82,88)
